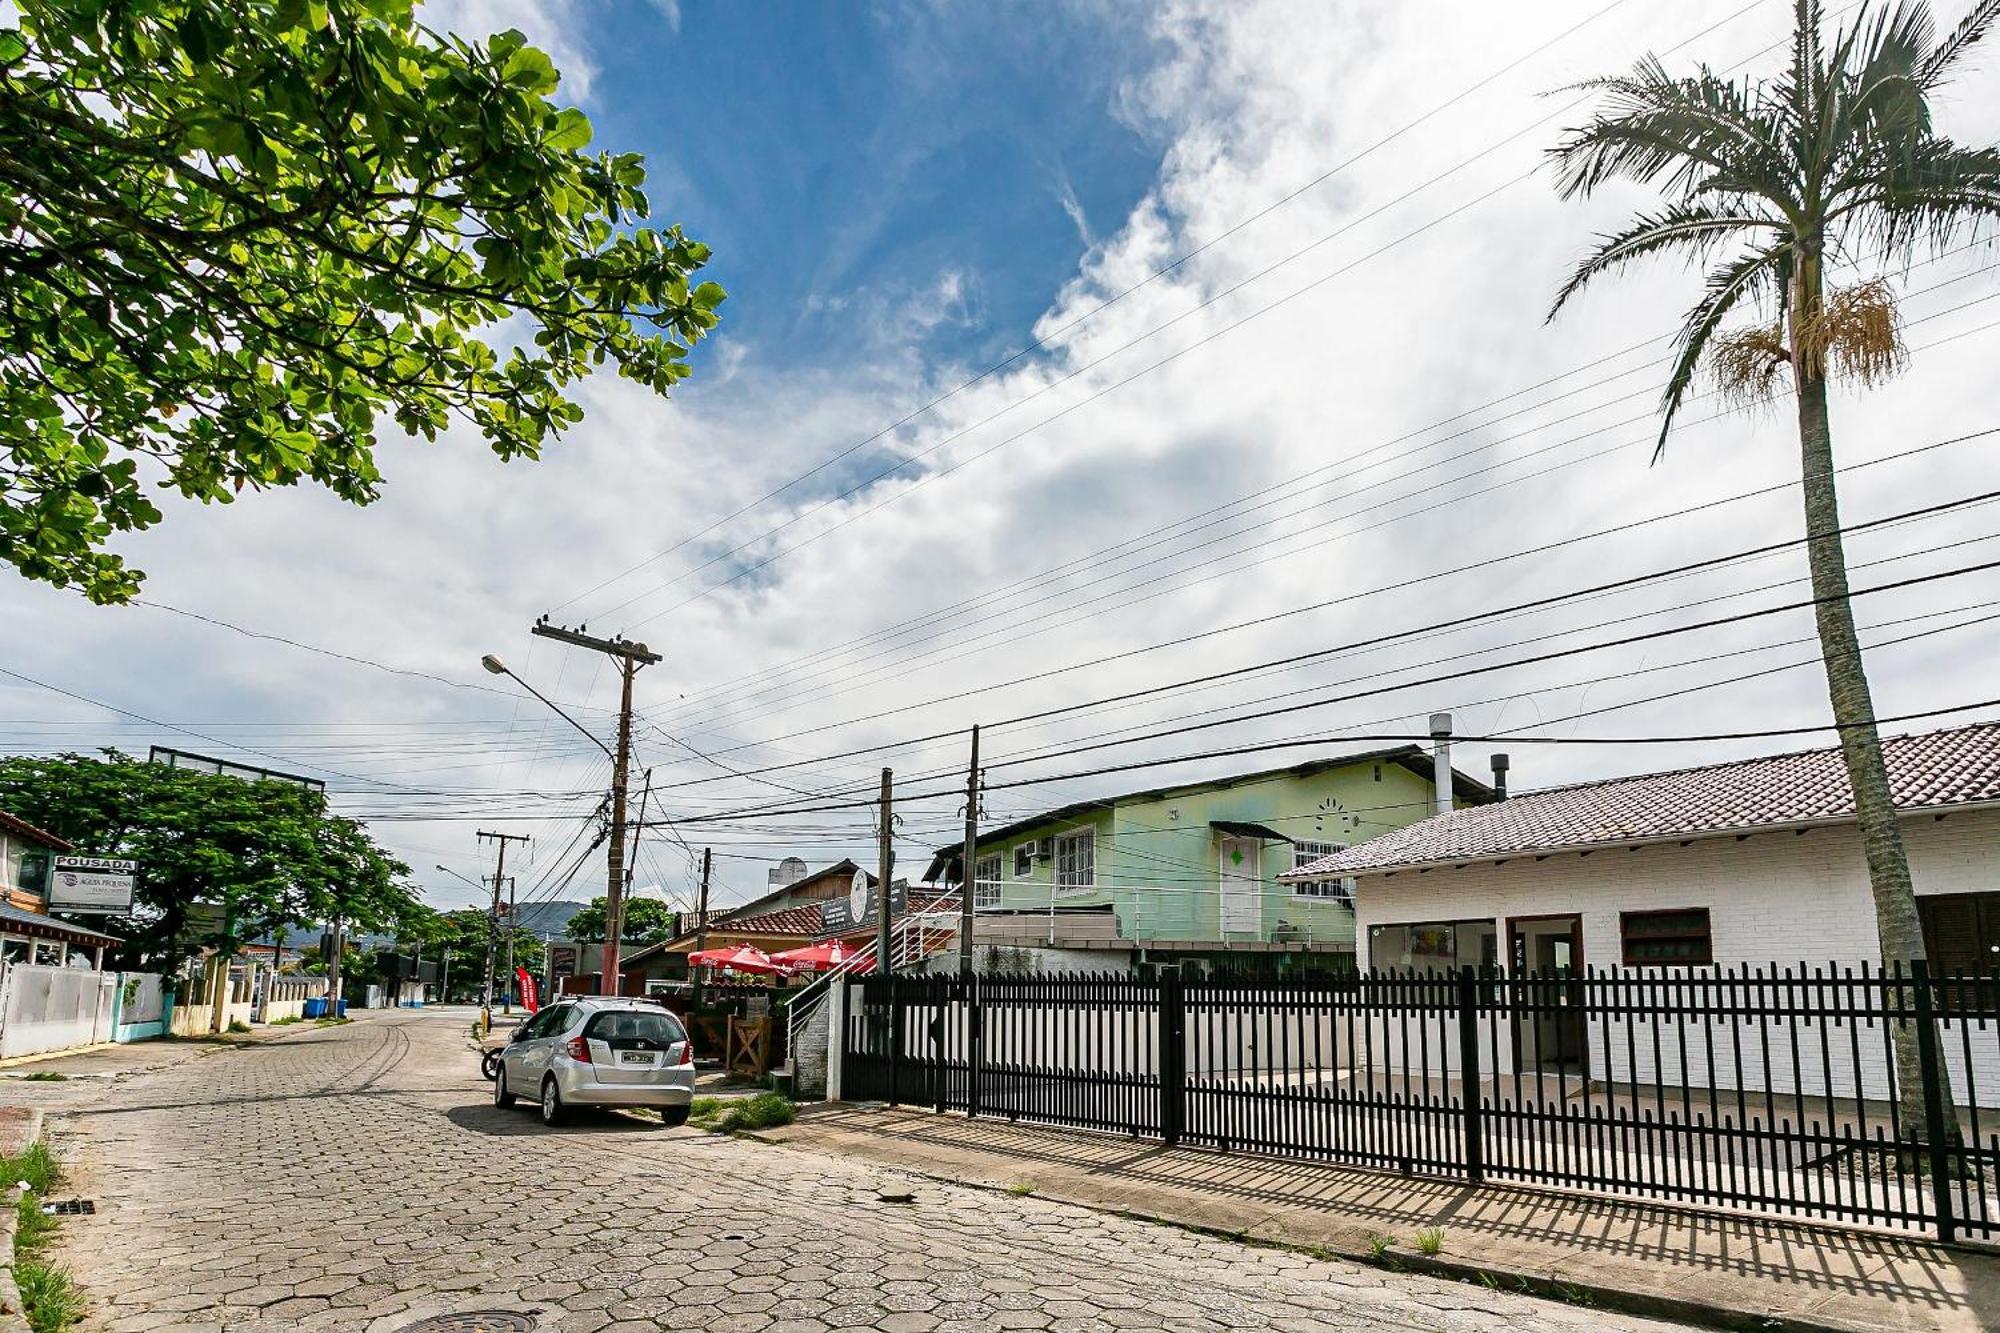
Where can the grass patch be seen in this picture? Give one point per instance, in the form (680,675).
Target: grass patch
(47,1076)
(1378,1246)
(1430,1242)
(1020,1189)
(728,1115)
(285,1021)
(330,1022)
(50,1296)
(238,1025)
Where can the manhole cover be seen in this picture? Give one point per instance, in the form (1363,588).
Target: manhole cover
(70,1208)
(479,1321)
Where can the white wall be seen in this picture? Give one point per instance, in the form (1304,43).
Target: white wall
(1781,898)
(53,1008)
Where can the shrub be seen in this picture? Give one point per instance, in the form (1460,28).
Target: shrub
(238,1025)
(1430,1241)
(728,1115)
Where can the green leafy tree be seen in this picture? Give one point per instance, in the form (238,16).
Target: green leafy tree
(1767,181)
(647,921)
(235,234)
(269,852)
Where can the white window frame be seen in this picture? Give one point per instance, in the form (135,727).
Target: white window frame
(1320,890)
(986,887)
(1072,849)
(35,952)
(1024,860)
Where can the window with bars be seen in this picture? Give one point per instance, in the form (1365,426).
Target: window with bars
(986,883)
(1331,890)
(1076,865)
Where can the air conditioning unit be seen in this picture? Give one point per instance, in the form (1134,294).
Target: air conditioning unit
(1045,848)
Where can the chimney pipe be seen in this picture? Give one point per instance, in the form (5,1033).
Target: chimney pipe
(1441,761)
(1499,762)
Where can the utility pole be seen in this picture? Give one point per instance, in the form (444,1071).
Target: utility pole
(969,860)
(701,921)
(884,964)
(508,990)
(493,924)
(631,657)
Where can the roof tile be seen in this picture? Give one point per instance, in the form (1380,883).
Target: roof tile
(1940,768)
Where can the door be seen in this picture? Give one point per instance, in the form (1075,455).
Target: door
(1549,1021)
(1242,882)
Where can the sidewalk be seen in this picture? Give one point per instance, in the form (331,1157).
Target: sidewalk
(1670,1262)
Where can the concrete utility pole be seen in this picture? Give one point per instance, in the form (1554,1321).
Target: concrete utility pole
(969,860)
(884,856)
(701,921)
(493,924)
(631,657)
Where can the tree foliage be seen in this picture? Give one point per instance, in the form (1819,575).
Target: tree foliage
(647,921)
(269,852)
(234,234)
(1767,181)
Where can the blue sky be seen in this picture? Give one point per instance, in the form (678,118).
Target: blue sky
(844,160)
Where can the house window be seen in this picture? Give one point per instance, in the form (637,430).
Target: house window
(1434,946)
(48,954)
(1330,890)
(986,882)
(1962,939)
(13,950)
(1666,939)
(1024,860)
(1076,869)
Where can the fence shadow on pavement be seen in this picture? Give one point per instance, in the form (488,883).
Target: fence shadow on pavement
(1563,1236)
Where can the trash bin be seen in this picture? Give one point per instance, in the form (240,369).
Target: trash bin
(315,1008)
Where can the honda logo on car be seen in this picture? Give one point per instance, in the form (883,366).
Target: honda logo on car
(91,884)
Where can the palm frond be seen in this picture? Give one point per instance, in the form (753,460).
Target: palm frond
(1933,68)
(1933,195)
(1747,276)
(1884,97)
(1654,125)
(1694,227)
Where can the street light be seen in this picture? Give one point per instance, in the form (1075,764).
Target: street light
(499,668)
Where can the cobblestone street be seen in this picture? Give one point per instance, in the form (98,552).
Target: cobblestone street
(358,1177)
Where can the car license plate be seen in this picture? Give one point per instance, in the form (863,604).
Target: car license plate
(635,1057)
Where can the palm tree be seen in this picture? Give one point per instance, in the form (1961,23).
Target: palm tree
(1765,182)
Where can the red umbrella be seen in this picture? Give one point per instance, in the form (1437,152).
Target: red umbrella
(737,958)
(825,956)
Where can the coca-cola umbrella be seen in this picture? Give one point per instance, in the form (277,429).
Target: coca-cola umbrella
(738,958)
(826,956)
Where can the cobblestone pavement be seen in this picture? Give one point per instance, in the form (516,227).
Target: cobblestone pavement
(358,1177)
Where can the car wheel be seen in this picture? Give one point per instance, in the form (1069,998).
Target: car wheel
(671,1116)
(552,1103)
(489,1064)
(501,1097)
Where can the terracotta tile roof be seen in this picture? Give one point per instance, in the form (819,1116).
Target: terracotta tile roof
(1942,768)
(15,824)
(784,921)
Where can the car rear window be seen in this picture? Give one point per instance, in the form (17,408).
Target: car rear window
(636,1030)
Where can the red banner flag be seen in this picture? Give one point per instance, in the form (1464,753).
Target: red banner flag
(529,1000)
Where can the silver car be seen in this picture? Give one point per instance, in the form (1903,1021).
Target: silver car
(599,1052)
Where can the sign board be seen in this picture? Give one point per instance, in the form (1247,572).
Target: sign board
(228,768)
(860,905)
(562,960)
(91,884)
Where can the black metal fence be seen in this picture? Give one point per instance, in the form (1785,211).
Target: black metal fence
(1781,1090)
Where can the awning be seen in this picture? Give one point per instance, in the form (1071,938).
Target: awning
(1239,828)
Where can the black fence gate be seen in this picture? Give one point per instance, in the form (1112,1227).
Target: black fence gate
(1781,1090)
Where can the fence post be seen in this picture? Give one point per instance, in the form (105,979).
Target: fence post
(1934,1108)
(836,1038)
(1469,1096)
(1172,1059)
(975,1044)
(894,985)
(941,988)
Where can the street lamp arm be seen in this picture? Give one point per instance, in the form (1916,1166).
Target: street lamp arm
(493,662)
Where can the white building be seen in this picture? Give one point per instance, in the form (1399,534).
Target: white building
(1685,874)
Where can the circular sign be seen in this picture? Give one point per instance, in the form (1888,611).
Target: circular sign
(857,896)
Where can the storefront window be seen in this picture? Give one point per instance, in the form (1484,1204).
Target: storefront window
(1434,946)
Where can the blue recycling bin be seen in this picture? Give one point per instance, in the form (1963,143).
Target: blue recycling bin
(316,1008)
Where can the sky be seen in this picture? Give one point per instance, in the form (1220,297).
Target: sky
(1193,336)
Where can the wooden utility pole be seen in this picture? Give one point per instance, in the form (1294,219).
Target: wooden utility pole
(493,924)
(884,857)
(701,922)
(631,656)
(508,989)
(969,860)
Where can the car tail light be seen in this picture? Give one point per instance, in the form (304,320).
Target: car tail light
(687,1053)
(578,1048)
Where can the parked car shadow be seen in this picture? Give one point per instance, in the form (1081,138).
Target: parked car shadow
(517,1120)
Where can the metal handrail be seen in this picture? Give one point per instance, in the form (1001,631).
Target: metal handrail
(901,954)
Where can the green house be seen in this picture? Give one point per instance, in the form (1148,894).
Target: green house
(1192,868)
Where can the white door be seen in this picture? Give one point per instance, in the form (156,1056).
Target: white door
(1242,887)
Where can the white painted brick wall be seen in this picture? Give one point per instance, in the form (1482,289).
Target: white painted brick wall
(1778,898)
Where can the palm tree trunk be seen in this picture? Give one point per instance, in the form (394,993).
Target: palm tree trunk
(1897,924)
